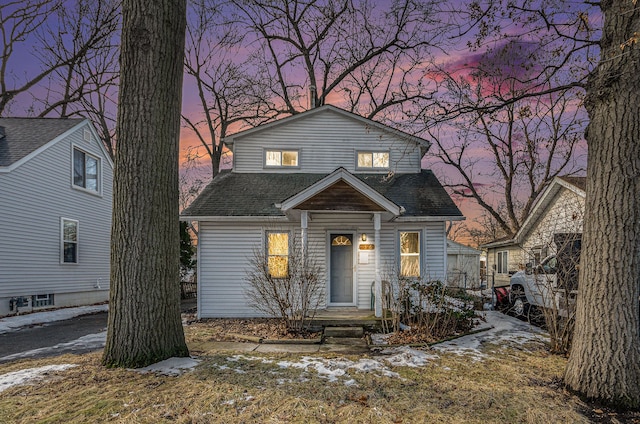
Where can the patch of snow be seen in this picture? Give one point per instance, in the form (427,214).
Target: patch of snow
(15,322)
(29,375)
(336,369)
(503,330)
(172,367)
(89,342)
(404,356)
(380,339)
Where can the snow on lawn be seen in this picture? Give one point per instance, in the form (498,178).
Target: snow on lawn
(339,369)
(172,367)
(503,330)
(15,322)
(29,375)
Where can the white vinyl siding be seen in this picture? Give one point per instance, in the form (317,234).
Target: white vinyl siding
(35,195)
(565,214)
(223,261)
(225,249)
(328,141)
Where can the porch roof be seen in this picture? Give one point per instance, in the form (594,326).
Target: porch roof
(233,194)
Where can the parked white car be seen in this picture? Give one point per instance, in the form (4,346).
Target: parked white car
(538,287)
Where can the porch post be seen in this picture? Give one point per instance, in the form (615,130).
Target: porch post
(378,281)
(304,218)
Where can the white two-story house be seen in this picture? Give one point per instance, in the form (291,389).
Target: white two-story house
(350,188)
(55,214)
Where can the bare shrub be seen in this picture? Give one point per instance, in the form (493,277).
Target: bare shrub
(424,307)
(293,294)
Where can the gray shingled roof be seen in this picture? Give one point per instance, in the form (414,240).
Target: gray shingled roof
(254,194)
(24,135)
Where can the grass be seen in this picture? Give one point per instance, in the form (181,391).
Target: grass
(513,384)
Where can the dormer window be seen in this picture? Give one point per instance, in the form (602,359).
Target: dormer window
(86,169)
(281,158)
(373,160)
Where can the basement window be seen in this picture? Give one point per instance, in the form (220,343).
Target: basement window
(40,300)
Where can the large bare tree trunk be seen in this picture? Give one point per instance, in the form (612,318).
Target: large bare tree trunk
(144,312)
(605,357)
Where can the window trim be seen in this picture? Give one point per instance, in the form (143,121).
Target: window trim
(372,167)
(63,241)
(266,249)
(419,254)
(98,159)
(499,261)
(281,151)
(48,298)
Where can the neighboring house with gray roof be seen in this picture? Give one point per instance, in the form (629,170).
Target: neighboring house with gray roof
(55,209)
(558,210)
(351,189)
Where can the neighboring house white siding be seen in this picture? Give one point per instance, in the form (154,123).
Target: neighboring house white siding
(325,142)
(564,215)
(499,276)
(34,197)
(559,209)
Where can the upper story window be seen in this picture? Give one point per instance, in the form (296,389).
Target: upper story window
(69,241)
(278,254)
(410,254)
(281,158)
(85,171)
(375,160)
(502,264)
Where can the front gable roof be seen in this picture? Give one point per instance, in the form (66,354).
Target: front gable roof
(234,195)
(424,144)
(575,184)
(355,195)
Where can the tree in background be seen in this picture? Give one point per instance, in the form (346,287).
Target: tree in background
(506,122)
(255,61)
(74,44)
(144,313)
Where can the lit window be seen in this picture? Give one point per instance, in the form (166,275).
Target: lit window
(503,262)
(410,254)
(69,241)
(373,159)
(281,158)
(85,170)
(278,254)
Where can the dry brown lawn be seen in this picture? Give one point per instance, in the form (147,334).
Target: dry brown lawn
(513,385)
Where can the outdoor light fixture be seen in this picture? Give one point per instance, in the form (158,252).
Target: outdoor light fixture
(364,237)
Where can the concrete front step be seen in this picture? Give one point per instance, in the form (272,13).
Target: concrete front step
(343,332)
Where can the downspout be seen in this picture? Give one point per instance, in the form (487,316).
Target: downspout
(304,219)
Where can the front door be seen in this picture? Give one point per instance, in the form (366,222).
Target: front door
(341,286)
